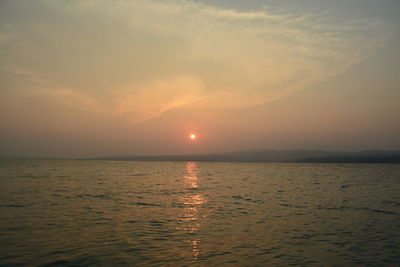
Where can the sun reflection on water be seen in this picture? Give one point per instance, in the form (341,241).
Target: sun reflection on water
(191,204)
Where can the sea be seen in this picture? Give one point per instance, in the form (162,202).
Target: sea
(111,213)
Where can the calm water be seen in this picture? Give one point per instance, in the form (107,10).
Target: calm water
(202,214)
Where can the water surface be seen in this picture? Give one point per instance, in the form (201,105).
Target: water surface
(202,214)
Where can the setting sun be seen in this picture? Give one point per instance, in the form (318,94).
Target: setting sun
(193,137)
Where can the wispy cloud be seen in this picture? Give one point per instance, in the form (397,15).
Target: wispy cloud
(141,58)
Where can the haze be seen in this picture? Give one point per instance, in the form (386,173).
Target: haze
(93,78)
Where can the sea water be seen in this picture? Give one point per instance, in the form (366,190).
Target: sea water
(81,212)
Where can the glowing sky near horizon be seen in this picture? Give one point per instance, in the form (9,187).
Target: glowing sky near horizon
(104,77)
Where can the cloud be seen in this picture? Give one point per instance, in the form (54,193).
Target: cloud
(141,58)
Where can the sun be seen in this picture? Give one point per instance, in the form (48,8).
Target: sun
(193,137)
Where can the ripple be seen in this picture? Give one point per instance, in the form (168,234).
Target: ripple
(146,204)
(15,206)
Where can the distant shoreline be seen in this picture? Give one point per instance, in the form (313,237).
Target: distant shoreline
(283,156)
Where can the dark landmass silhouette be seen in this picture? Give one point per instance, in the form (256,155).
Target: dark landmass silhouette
(300,156)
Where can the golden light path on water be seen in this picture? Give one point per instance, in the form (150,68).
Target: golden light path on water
(192,202)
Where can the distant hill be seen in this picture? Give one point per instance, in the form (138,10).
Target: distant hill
(310,156)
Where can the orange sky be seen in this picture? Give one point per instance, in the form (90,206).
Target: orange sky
(93,78)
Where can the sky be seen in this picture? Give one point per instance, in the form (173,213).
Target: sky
(100,78)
